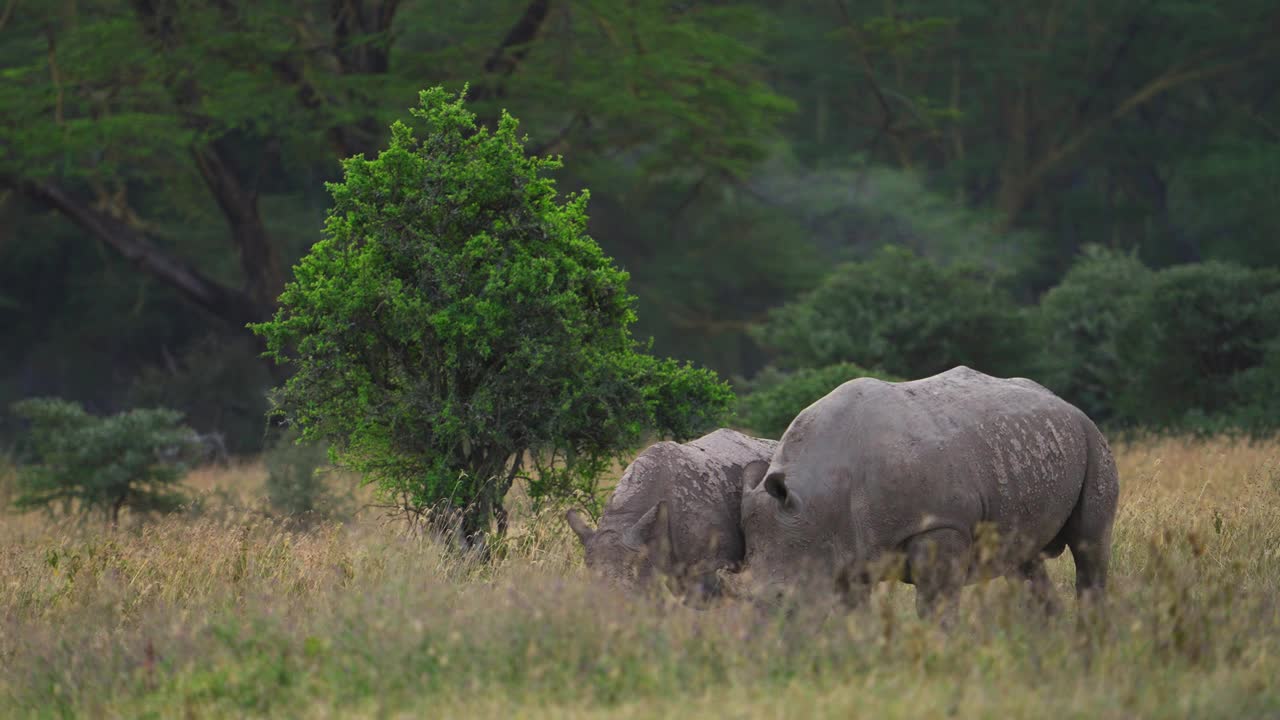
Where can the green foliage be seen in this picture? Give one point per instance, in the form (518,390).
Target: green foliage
(1201,340)
(295,482)
(83,463)
(1078,326)
(902,313)
(774,398)
(456,316)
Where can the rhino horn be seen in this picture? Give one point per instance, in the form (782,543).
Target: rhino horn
(579,525)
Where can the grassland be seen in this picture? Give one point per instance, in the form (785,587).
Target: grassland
(226,612)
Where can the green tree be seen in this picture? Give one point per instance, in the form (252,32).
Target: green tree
(1199,336)
(900,313)
(773,398)
(1079,324)
(1135,124)
(101,464)
(162,162)
(456,317)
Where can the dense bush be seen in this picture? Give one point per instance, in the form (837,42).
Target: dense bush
(456,317)
(295,483)
(774,398)
(79,462)
(904,314)
(1200,346)
(1078,324)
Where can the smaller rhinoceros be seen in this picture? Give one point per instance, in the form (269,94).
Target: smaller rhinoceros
(675,513)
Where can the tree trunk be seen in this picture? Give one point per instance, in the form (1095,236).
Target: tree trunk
(258,254)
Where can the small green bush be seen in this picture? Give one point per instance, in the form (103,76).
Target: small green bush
(774,398)
(1200,338)
(79,462)
(456,319)
(295,483)
(901,312)
(1079,322)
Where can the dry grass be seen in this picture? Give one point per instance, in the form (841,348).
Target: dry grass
(225,612)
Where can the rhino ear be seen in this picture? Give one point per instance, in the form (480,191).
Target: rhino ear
(776,485)
(753,473)
(651,531)
(579,525)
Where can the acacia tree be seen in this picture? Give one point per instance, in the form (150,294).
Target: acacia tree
(102,464)
(121,114)
(456,318)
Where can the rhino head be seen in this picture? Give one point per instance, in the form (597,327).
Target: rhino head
(631,557)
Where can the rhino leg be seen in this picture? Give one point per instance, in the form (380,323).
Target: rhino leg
(1092,558)
(1088,531)
(937,561)
(1042,588)
(853,585)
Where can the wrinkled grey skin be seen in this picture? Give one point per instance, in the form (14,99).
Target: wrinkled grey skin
(675,512)
(879,480)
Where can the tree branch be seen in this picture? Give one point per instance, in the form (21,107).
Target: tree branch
(259,257)
(228,304)
(1015,196)
(8,13)
(888,121)
(354,23)
(501,65)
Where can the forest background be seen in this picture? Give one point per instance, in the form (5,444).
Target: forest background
(1078,192)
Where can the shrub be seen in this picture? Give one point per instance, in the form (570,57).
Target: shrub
(1201,341)
(902,313)
(1257,389)
(295,484)
(87,463)
(1079,322)
(774,398)
(456,317)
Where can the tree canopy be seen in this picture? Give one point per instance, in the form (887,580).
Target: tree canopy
(456,322)
(162,162)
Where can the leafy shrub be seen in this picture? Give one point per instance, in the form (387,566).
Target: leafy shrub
(87,463)
(775,397)
(456,317)
(1257,390)
(1078,324)
(902,313)
(1200,343)
(295,484)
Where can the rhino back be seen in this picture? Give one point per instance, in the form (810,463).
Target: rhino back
(954,449)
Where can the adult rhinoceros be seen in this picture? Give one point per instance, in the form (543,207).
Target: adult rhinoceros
(914,471)
(675,512)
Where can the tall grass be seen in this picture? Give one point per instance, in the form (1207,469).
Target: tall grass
(228,613)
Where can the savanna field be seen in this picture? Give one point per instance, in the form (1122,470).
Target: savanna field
(224,612)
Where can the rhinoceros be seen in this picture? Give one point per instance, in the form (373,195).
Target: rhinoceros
(878,479)
(675,512)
